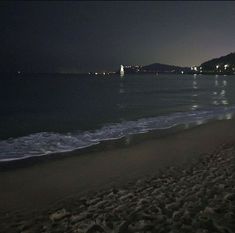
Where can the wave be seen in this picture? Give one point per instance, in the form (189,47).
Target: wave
(44,143)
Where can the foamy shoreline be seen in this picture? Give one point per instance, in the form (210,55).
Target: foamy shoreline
(31,196)
(48,143)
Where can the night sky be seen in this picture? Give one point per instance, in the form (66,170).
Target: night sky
(95,36)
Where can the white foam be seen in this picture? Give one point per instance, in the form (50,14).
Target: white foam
(45,143)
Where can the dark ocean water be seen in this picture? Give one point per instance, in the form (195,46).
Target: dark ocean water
(43,114)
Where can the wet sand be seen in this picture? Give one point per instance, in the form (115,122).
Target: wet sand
(45,185)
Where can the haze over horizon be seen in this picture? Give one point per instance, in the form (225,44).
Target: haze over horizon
(91,36)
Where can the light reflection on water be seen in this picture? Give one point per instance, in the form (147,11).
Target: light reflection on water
(111,107)
(194,107)
(219,95)
(227,116)
(195,104)
(195,84)
(121,89)
(89,103)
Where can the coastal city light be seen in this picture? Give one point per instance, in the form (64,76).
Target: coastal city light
(194,68)
(226,66)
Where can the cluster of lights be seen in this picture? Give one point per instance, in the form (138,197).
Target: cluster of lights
(225,66)
(101,73)
(136,67)
(194,68)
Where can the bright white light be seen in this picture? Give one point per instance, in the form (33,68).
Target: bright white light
(224,102)
(96,73)
(121,70)
(182,72)
(194,107)
(222,93)
(226,66)
(217,67)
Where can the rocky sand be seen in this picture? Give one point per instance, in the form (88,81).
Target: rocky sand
(196,198)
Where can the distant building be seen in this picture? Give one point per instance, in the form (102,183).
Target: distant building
(121,70)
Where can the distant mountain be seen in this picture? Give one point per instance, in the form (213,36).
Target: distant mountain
(163,68)
(221,65)
(155,68)
(224,64)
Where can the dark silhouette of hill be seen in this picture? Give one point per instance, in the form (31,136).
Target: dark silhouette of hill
(224,64)
(164,68)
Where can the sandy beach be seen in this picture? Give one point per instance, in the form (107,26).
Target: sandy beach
(183,182)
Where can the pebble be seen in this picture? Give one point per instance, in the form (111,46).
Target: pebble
(209,211)
(58,215)
(196,199)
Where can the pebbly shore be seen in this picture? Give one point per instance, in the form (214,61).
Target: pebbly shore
(199,198)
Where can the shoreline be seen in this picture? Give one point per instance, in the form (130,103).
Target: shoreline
(106,145)
(34,189)
(15,154)
(103,146)
(199,197)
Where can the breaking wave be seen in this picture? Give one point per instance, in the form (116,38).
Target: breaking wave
(45,143)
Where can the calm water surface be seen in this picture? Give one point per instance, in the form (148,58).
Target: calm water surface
(43,114)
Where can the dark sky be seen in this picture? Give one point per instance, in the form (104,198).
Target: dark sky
(88,36)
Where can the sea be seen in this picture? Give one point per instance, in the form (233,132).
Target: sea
(46,114)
